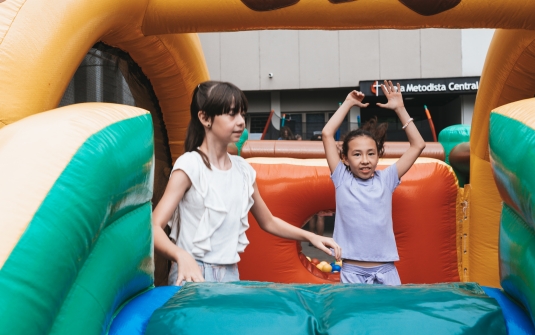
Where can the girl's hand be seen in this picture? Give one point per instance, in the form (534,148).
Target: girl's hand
(355,98)
(393,94)
(188,269)
(324,243)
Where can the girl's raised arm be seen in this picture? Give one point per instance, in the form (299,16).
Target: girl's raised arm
(327,134)
(417,143)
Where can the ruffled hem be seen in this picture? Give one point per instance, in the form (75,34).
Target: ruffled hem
(248,203)
(212,218)
(215,212)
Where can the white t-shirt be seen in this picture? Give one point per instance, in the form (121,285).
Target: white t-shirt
(213,212)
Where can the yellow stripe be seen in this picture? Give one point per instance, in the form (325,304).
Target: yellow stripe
(53,138)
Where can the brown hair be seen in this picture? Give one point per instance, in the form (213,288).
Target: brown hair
(286,133)
(375,131)
(212,98)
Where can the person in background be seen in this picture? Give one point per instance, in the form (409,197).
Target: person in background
(286,134)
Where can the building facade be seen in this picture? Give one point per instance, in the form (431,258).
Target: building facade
(303,75)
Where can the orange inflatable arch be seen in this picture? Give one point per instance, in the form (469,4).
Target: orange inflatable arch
(42,44)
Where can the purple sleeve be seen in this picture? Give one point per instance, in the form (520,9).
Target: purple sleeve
(391,177)
(338,174)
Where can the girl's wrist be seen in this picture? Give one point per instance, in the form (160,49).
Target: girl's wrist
(399,109)
(308,236)
(349,103)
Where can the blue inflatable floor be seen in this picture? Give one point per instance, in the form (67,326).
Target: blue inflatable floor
(162,302)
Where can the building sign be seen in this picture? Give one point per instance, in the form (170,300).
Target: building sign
(462,85)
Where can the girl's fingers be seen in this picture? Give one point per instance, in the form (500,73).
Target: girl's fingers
(179,279)
(326,250)
(385,90)
(389,85)
(333,245)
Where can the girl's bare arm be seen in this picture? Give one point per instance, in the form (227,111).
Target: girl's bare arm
(327,134)
(278,227)
(177,186)
(417,143)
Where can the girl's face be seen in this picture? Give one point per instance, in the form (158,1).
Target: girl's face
(229,127)
(362,157)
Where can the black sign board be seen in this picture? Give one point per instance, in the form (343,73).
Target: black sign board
(459,85)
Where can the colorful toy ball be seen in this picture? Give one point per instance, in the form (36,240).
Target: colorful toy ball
(336,268)
(324,266)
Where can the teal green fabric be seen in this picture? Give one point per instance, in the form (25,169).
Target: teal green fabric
(243,138)
(120,256)
(70,269)
(268,308)
(512,157)
(451,136)
(517,259)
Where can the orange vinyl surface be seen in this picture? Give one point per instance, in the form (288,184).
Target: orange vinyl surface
(314,149)
(424,211)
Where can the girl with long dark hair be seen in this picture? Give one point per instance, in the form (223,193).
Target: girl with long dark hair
(212,192)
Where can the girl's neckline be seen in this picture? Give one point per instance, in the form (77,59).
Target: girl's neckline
(227,170)
(364,182)
(212,166)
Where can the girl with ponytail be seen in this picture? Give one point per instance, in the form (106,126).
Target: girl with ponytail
(212,192)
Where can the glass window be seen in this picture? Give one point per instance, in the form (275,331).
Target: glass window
(258,122)
(315,123)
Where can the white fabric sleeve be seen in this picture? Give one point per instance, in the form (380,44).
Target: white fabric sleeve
(248,202)
(252,172)
(189,163)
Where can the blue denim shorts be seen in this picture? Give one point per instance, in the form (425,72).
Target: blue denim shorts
(210,272)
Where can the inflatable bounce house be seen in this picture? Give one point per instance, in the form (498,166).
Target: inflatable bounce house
(76,253)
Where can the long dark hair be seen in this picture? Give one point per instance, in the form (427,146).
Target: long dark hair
(376,132)
(286,133)
(212,98)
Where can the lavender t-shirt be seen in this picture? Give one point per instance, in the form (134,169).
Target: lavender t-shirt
(363,224)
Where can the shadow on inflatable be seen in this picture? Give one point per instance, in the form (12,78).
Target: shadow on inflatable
(76,254)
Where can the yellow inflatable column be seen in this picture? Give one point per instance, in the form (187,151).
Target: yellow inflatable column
(508,76)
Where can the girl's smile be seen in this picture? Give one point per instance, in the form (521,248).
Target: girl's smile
(362,157)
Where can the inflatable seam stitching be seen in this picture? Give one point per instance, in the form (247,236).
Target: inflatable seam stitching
(11,24)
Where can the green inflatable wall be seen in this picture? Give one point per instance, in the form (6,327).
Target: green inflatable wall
(94,229)
(512,156)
